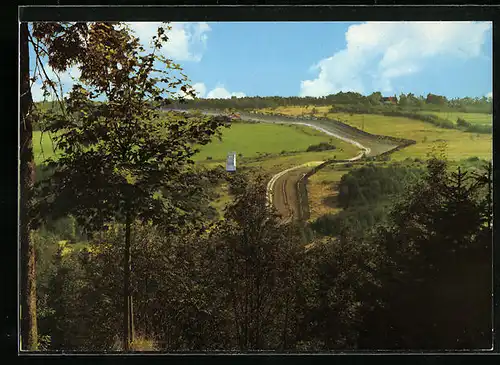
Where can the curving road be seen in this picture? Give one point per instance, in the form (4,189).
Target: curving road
(282,187)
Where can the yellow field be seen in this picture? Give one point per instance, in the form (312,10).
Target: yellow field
(321,191)
(473,118)
(460,144)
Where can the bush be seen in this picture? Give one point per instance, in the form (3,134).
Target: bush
(370,184)
(462,122)
(209,157)
(323,146)
(140,343)
(478,128)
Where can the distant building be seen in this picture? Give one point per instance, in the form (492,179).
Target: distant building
(231,161)
(389,100)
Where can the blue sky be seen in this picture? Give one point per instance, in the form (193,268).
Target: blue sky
(319,58)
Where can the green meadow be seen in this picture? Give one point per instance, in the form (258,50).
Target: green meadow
(269,145)
(472,118)
(254,139)
(42,146)
(458,144)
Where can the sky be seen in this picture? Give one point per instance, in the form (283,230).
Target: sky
(224,59)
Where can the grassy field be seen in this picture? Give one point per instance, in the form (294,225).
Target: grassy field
(322,187)
(250,139)
(273,164)
(473,118)
(322,192)
(42,146)
(459,144)
(223,198)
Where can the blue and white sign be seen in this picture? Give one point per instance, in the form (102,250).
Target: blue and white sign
(231,161)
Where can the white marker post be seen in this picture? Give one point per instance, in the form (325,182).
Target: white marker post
(231,162)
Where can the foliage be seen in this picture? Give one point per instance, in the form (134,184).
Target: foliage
(248,282)
(437,238)
(338,291)
(407,102)
(120,160)
(322,146)
(364,194)
(254,266)
(462,122)
(358,219)
(121,149)
(370,183)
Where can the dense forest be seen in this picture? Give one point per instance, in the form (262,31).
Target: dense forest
(249,283)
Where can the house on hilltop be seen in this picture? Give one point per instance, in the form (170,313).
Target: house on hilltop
(389,99)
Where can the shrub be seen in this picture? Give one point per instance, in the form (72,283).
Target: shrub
(478,128)
(462,122)
(209,157)
(140,343)
(323,146)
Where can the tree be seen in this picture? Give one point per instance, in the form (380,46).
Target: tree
(436,99)
(403,100)
(64,45)
(29,334)
(375,98)
(122,159)
(462,123)
(435,240)
(255,262)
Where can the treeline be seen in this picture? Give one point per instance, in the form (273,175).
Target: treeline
(248,283)
(408,101)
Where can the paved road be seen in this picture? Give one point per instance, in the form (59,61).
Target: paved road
(282,188)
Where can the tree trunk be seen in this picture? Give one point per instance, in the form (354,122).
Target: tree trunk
(128,315)
(29,333)
(490,192)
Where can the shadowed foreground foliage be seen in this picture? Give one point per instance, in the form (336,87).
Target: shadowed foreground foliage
(422,280)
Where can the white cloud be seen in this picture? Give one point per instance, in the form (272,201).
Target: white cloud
(36,92)
(383,51)
(200,89)
(489,95)
(186,41)
(220,92)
